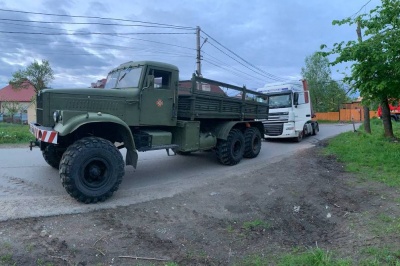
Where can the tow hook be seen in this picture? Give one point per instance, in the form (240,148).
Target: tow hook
(33,143)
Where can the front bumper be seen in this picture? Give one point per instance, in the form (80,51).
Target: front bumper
(44,134)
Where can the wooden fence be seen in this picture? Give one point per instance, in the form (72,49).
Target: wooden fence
(345,115)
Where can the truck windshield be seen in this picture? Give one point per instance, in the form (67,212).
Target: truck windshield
(124,78)
(280,101)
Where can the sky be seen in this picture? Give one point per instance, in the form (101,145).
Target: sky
(251,43)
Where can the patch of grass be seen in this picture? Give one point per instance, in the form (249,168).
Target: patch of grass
(256,225)
(386,224)
(312,257)
(14,133)
(171,264)
(372,156)
(380,256)
(298,257)
(7,259)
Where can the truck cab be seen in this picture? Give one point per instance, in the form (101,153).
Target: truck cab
(290,112)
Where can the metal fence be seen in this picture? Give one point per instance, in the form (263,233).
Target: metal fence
(21,118)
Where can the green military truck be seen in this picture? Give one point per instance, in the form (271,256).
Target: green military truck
(143,107)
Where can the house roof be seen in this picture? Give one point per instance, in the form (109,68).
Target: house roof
(21,95)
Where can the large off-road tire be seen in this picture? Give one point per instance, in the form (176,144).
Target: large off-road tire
(230,151)
(91,169)
(252,142)
(52,156)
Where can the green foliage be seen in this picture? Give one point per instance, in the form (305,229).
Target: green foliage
(375,69)
(7,259)
(380,256)
(312,257)
(326,94)
(14,133)
(372,156)
(38,74)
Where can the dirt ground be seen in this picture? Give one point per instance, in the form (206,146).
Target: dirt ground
(305,201)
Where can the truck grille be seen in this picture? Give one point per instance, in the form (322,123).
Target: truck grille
(273,129)
(281,117)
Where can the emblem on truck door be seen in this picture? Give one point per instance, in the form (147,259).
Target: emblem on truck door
(159,102)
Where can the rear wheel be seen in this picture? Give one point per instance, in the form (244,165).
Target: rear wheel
(230,151)
(52,155)
(252,140)
(315,129)
(91,169)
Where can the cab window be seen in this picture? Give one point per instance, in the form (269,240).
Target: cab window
(162,79)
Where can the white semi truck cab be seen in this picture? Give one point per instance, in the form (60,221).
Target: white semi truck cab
(290,111)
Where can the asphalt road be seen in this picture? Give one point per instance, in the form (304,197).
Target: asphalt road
(31,188)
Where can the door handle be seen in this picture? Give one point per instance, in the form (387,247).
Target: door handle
(131,101)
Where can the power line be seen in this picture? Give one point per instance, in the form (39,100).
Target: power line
(251,69)
(96,33)
(93,23)
(271,76)
(94,17)
(361,8)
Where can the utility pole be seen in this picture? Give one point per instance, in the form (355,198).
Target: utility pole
(367,121)
(198,48)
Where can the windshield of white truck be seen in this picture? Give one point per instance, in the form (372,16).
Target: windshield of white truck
(280,101)
(124,78)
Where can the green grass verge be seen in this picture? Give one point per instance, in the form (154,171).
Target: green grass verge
(318,257)
(372,156)
(14,133)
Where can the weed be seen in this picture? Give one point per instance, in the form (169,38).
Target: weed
(7,259)
(380,256)
(312,257)
(256,225)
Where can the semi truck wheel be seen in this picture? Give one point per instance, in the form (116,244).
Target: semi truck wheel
(230,151)
(91,169)
(299,138)
(52,156)
(252,142)
(315,129)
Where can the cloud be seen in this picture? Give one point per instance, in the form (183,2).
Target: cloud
(273,37)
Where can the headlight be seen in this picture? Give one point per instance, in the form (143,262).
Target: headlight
(57,116)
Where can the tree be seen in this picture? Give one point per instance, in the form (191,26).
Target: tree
(11,108)
(375,71)
(37,74)
(326,94)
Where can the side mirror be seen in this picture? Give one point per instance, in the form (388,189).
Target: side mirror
(296,99)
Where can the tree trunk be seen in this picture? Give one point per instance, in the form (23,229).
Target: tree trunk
(367,121)
(387,120)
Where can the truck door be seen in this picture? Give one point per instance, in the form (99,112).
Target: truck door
(157,99)
(303,107)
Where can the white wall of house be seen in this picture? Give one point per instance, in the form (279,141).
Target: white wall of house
(31,112)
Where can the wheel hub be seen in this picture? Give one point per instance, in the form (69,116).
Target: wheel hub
(94,171)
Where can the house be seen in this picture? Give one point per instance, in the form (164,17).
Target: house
(99,83)
(21,97)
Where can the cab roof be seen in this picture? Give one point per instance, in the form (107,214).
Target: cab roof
(142,63)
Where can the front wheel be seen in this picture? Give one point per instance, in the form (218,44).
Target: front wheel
(230,151)
(252,142)
(299,138)
(91,169)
